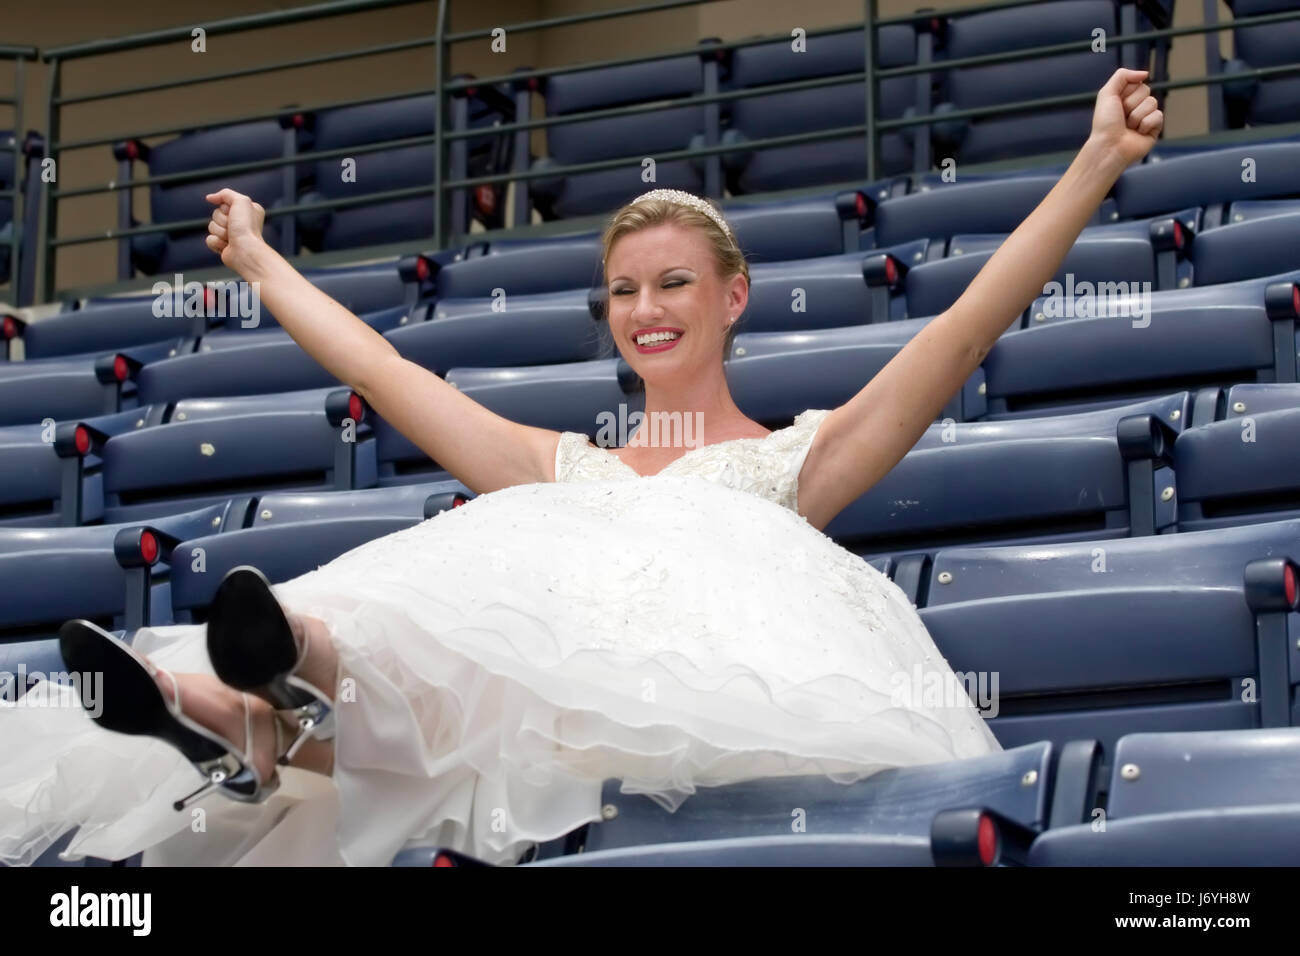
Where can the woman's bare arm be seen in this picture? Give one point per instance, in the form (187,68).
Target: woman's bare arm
(860,441)
(482,449)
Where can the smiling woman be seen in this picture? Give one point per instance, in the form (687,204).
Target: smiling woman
(672,618)
(677,283)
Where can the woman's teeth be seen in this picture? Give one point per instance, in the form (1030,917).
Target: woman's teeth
(656,337)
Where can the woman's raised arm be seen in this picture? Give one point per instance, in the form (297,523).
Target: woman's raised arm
(482,449)
(860,441)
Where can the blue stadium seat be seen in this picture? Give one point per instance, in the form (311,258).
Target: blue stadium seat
(573,396)
(107,326)
(281,553)
(243,363)
(777,231)
(1102,638)
(114,574)
(768,232)
(25,181)
(826,292)
(1129,229)
(882,820)
(520,268)
(167,252)
(295,533)
(362,289)
(995,137)
(773,376)
(59,389)
(1253,101)
(527,330)
(990,206)
(397,167)
(631,136)
(1091,362)
(51,472)
(1114,303)
(932,287)
(822,108)
(218,448)
(750,345)
(401,501)
(1210,179)
(1169,236)
(1209,798)
(1246,250)
(1245,467)
(1055,478)
(816,292)
(1248,210)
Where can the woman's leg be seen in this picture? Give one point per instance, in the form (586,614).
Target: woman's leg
(220,708)
(318,658)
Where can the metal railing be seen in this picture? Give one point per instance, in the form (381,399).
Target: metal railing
(448,179)
(56,100)
(14,192)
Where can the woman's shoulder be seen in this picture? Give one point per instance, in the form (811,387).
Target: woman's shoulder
(803,426)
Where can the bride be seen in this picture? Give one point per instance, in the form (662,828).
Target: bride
(670,618)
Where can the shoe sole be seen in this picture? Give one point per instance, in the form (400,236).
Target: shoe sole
(250,642)
(130,700)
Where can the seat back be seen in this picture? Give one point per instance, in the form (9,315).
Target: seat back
(1005,136)
(1246,467)
(826,107)
(1053,478)
(631,135)
(1098,639)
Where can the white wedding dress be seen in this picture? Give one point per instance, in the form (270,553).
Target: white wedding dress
(503,659)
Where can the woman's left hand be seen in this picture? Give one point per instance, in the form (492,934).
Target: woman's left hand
(1126,118)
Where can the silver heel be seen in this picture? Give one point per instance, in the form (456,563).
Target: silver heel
(229,765)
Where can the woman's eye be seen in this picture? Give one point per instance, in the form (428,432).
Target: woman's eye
(668,284)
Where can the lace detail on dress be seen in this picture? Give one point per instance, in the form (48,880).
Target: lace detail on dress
(768,467)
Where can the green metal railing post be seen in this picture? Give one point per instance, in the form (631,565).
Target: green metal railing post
(16,237)
(869,84)
(49,204)
(439,119)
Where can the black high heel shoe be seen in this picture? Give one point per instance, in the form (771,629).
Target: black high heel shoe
(252,648)
(131,703)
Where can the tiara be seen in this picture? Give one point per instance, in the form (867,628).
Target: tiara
(683,198)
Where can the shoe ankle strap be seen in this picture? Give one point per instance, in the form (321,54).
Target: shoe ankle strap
(279,735)
(301,645)
(248,733)
(176,688)
(248,729)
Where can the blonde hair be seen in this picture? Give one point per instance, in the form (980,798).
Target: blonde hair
(644,213)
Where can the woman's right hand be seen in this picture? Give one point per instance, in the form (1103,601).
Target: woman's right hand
(235,232)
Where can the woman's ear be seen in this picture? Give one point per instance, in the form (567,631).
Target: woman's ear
(737,295)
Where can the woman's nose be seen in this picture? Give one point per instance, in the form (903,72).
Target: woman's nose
(645,305)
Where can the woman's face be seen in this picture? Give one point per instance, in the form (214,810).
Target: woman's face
(664,279)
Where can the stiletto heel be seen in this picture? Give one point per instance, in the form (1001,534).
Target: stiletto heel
(252,648)
(131,703)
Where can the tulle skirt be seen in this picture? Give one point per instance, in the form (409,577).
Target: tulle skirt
(502,660)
